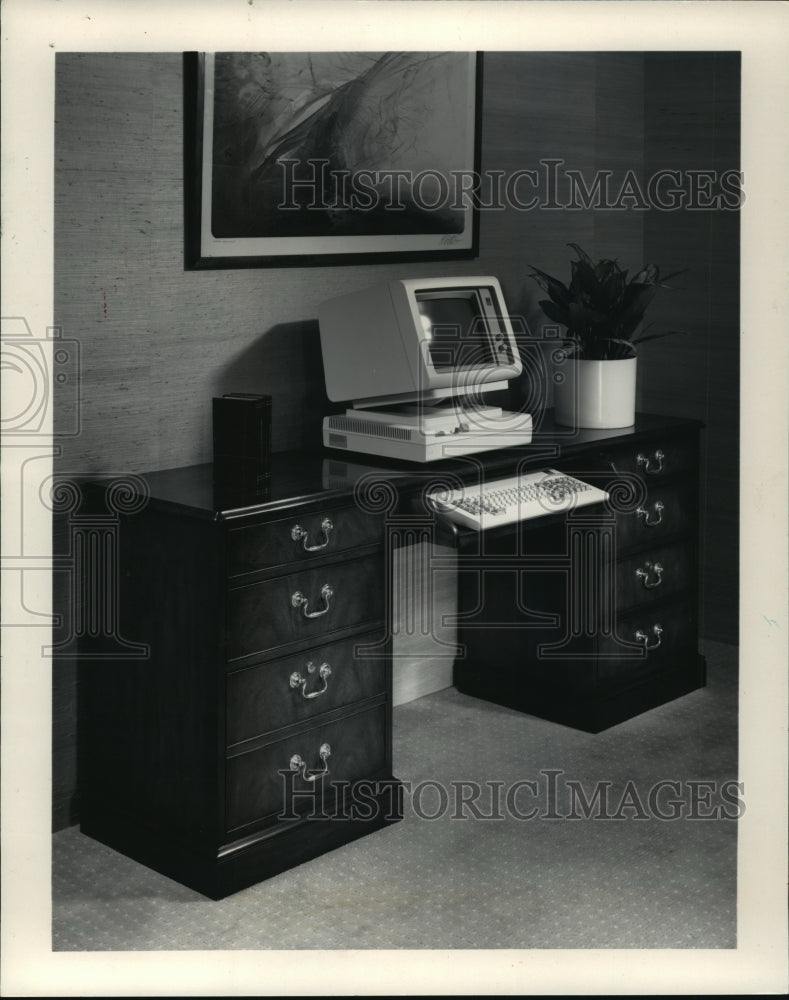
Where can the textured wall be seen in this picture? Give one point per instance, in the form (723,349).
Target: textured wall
(158,342)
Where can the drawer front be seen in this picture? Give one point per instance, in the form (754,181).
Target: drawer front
(666,634)
(279,693)
(656,460)
(307,605)
(666,510)
(653,574)
(300,538)
(256,789)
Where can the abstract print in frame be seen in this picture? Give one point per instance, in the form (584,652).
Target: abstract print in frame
(330,158)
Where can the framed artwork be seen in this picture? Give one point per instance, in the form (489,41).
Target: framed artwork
(295,158)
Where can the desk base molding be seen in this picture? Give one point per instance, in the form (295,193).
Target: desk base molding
(594,712)
(220,873)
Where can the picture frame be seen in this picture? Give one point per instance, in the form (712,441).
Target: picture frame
(312,159)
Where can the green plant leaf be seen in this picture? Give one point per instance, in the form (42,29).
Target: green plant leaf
(646,276)
(583,282)
(635,301)
(557,290)
(581,254)
(600,307)
(612,288)
(555,312)
(668,277)
(583,319)
(657,336)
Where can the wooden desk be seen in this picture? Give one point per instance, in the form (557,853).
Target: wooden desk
(257,732)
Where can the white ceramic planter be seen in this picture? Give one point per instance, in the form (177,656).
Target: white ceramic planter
(596,393)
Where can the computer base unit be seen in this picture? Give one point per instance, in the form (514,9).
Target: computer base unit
(416,435)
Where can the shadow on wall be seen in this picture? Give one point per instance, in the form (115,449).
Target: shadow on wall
(286,363)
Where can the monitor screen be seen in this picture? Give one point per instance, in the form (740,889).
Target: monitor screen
(462,329)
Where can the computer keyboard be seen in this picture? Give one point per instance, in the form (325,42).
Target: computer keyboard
(515,499)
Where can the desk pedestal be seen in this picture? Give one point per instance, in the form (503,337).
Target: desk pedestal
(590,619)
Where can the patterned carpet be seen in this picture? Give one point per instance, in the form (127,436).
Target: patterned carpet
(634,881)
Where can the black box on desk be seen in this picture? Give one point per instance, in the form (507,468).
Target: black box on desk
(242,442)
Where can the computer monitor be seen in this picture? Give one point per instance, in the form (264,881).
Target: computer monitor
(417,338)
(419,341)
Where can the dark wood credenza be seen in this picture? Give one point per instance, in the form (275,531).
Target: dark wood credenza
(255,732)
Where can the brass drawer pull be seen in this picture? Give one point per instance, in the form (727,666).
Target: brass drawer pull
(298,534)
(324,672)
(657,508)
(657,631)
(297,763)
(643,573)
(298,600)
(651,470)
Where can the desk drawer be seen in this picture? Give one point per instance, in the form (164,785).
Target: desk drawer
(268,697)
(654,574)
(300,538)
(308,604)
(666,633)
(256,789)
(666,510)
(656,460)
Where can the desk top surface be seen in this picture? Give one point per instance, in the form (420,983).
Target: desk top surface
(301,478)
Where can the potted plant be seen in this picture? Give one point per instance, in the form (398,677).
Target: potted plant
(602,310)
